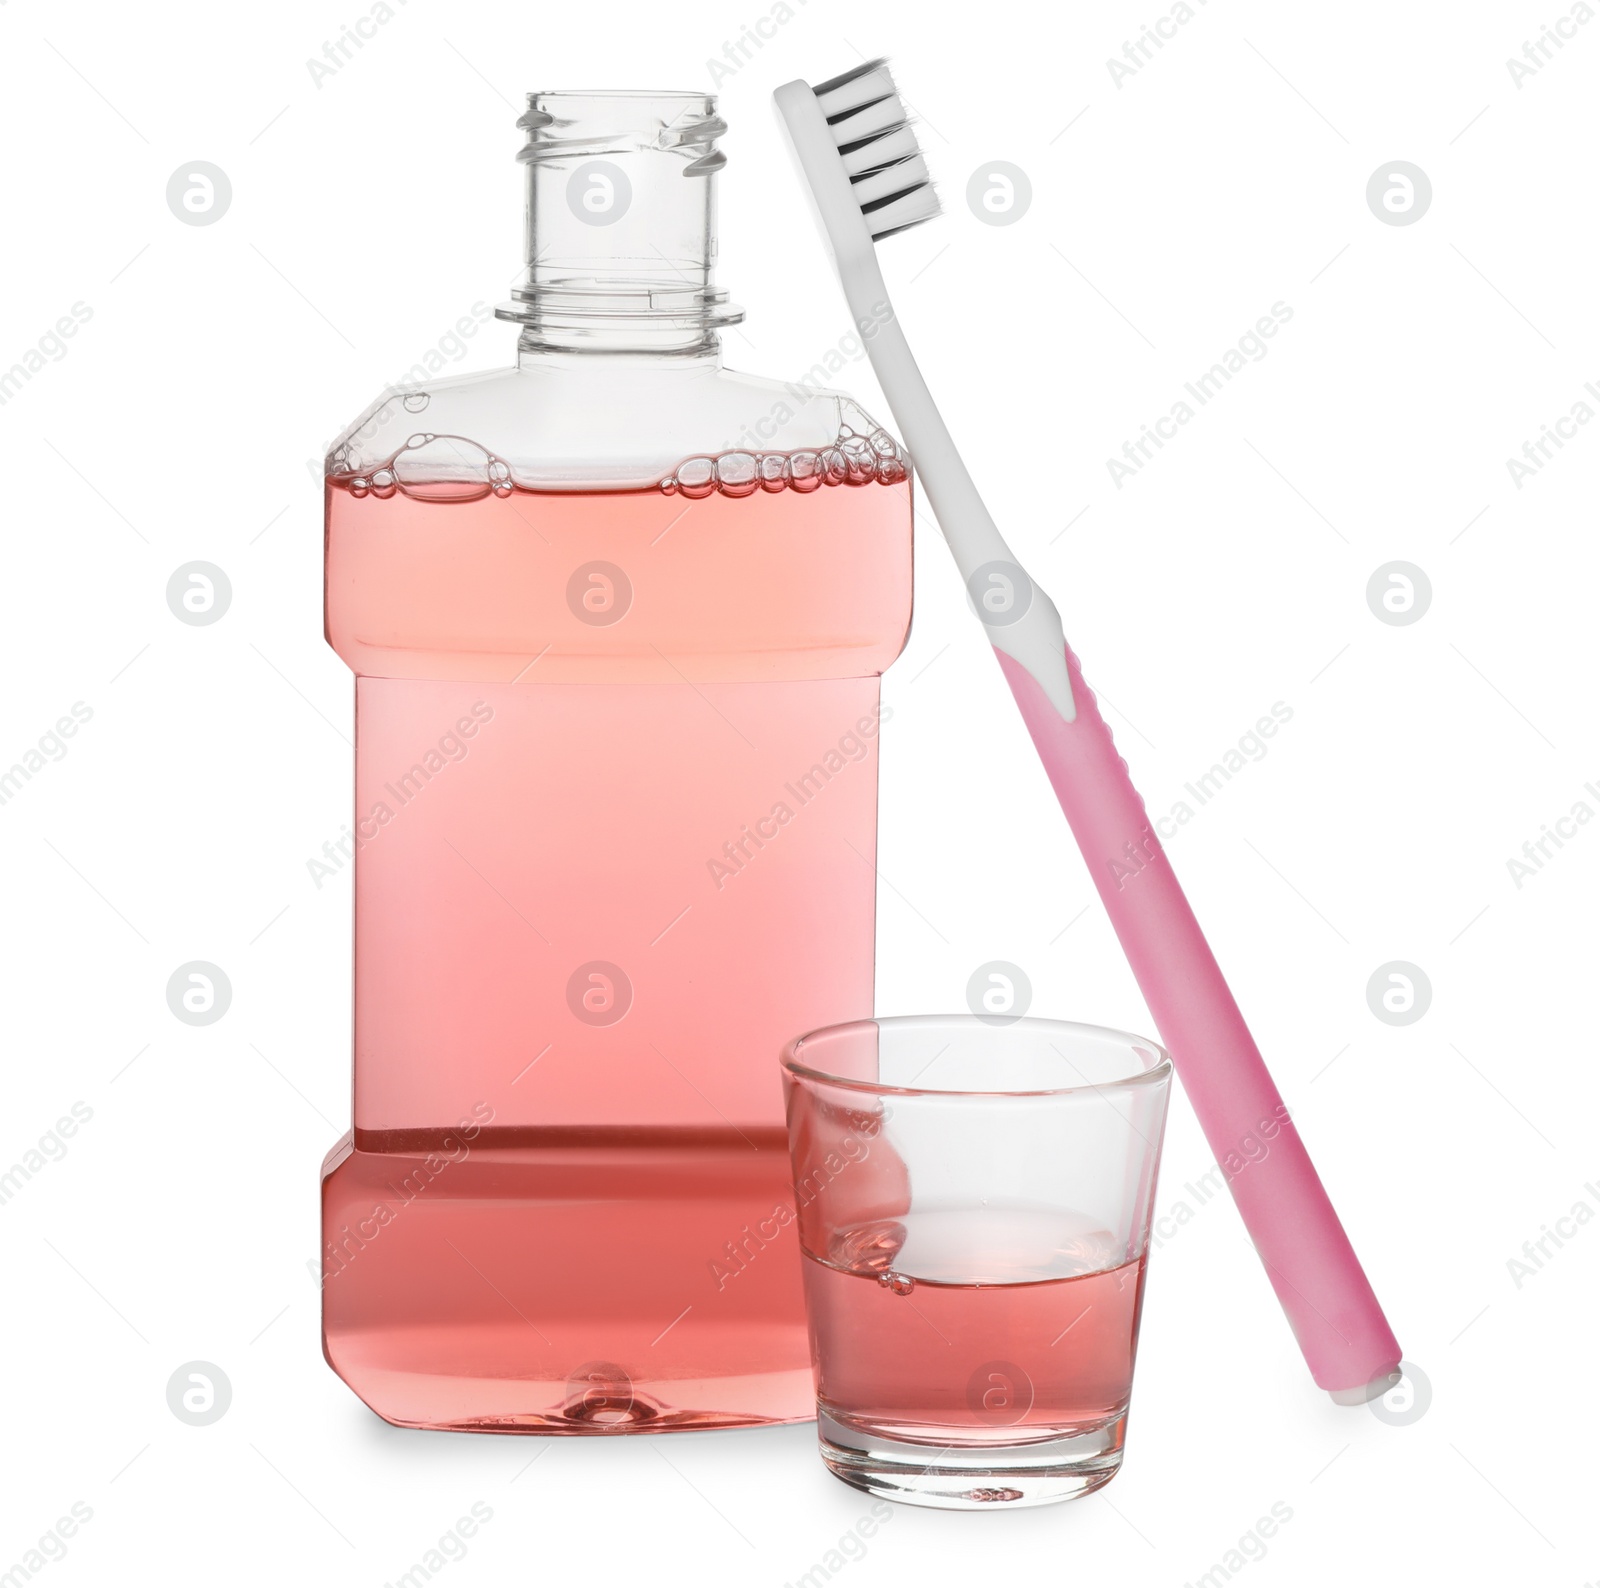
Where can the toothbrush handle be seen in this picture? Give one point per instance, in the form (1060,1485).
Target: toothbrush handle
(1319,1281)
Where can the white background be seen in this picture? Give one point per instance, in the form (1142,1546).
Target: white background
(1169,213)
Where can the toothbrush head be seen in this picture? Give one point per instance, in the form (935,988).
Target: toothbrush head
(858,158)
(852,136)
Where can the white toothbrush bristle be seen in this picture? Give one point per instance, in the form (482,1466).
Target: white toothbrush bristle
(872,133)
(850,90)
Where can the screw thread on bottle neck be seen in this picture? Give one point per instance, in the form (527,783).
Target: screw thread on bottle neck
(621,225)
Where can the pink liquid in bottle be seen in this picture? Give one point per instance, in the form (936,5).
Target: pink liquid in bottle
(615,830)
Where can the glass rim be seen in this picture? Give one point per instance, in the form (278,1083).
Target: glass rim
(1157,1073)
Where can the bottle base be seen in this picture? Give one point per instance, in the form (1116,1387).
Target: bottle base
(601,1405)
(559,1286)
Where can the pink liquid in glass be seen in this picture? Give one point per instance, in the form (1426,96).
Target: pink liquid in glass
(614,841)
(1041,1348)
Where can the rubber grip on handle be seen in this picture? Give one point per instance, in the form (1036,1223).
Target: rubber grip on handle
(1341,1329)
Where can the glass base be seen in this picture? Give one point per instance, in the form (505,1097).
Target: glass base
(973,1477)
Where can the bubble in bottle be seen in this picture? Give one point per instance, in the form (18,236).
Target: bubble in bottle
(860,462)
(383,482)
(900,1284)
(736,473)
(805,471)
(444,468)
(772,468)
(697,477)
(415,401)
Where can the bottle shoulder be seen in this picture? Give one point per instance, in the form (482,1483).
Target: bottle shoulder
(594,423)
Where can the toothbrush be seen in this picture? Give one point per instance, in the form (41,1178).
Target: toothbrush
(859,157)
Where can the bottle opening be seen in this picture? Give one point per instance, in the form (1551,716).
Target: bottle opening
(621,223)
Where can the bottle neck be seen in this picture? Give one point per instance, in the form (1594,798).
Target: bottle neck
(534,353)
(618,320)
(621,230)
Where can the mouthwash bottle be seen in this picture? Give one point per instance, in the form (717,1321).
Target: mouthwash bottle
(617,617)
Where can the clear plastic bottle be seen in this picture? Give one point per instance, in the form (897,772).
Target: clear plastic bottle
(617,617)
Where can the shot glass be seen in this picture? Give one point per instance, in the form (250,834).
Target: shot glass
(973,1196)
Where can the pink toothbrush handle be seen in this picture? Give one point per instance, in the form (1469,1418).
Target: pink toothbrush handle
(1319,1281)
